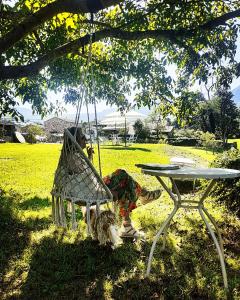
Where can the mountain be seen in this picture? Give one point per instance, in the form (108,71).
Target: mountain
(84,116)
(236,95)
(29,116)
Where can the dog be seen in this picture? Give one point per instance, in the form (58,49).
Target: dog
(90,153)
(104,228)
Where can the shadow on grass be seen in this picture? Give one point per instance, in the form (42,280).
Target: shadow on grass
(62,270)
(119,148)
(81,270)
(189,268)
(14,235)
(34,203)
(169,278)
(190,271)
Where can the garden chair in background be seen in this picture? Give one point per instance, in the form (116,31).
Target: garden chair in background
(132,139)
(116,140)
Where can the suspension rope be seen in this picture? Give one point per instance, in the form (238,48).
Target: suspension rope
(79,107)
(89,95)
(83,90)
(94,103)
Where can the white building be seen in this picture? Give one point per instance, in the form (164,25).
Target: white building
(115,121)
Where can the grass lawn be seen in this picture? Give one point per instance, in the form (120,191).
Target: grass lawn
(235,140)
(40,261)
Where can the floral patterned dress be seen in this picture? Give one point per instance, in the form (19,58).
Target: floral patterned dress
(125,190)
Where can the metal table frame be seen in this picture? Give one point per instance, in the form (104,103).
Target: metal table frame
(189,204)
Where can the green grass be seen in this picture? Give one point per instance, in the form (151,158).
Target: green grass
(235,140)
(40,261)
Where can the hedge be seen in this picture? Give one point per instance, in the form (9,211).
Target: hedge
(227,191)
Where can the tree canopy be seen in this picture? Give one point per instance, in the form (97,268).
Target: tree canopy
(44,46)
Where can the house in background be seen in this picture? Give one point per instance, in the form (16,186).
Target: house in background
(8,127)
(161,132)
(57,125)
(54,128)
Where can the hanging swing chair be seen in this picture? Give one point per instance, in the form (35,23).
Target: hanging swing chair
(76,179)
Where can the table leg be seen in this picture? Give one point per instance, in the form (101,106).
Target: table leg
(176,189)
(219,248)
(163,227)
(165,236)
(175,200)
(216,227)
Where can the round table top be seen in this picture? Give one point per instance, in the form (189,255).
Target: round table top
(192,173)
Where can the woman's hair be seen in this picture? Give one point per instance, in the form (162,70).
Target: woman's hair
(73,130)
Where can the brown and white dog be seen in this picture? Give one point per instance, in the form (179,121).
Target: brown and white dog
(104,228)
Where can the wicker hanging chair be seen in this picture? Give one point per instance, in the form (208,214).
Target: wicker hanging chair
(76,181)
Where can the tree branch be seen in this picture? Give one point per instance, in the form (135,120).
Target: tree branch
(11,15)
(49,11)
(13,72)
(98,23)
(81,6)
(220,20)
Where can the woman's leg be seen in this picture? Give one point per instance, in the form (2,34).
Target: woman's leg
(126,192)
(127,228)
(125,208)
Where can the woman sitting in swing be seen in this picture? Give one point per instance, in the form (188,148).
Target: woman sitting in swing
(125,190)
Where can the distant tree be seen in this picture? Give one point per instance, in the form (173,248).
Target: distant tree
(208,140)
(227,115)
(122,131)
(141,131)
(32,131)
(206,120)
(187,106)
(220,115)
(138,126)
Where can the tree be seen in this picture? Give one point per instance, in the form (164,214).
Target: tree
(32,131)
(220,115)
(187,106)
(44,46)
(227,121)
(142,132)
(206,120)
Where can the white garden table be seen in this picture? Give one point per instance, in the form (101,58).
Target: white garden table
(212,174)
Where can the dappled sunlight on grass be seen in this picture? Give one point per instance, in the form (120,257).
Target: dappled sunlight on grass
(40,261)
